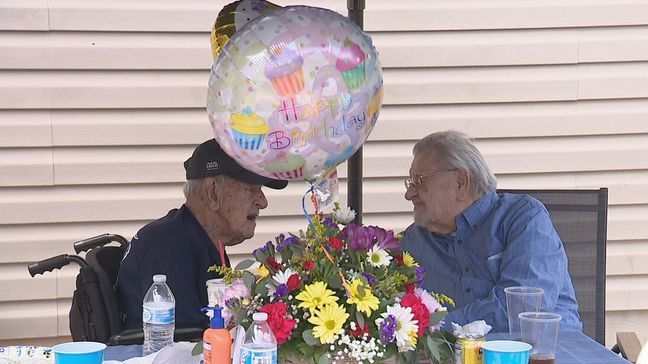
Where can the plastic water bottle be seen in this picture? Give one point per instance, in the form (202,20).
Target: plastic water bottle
(260,345)
(158,317)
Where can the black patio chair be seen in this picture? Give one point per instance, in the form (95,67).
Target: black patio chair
(95,315)
(580,218)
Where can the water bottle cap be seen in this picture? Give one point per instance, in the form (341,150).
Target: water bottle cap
(260,316)
(159,278)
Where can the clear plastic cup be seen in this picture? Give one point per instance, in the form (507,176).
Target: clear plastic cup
(215,289)
(540,329)
(521,299)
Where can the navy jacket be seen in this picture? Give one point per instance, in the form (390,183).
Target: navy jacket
(177,246)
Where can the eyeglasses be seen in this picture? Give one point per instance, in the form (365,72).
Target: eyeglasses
(416,181)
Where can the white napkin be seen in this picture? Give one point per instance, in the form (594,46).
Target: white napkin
(475,328)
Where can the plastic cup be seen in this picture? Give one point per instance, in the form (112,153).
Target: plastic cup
(215,289)
(80,352)
(521,299)
(540,329)
(506,352)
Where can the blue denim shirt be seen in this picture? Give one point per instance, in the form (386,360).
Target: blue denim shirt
(501,241)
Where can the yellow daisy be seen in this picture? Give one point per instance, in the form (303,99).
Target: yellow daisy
(328,322)
(315,296)
(408,260)
(364,300)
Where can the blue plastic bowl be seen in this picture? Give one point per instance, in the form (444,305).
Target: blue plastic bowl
(506,352)
(80,352)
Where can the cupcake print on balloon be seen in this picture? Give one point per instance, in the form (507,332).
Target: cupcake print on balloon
(290,87)
(248,129)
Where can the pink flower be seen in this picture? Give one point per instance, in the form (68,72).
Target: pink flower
(236,291)
(419,310)
(281,325)
(431,303)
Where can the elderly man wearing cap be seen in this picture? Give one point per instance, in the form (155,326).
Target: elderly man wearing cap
(223,201)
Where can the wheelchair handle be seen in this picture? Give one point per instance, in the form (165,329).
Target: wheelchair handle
(97,241)
(57,262)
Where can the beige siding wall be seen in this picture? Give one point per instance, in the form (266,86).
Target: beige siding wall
(101,101)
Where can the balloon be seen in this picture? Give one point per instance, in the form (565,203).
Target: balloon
(295,92)
(234,16)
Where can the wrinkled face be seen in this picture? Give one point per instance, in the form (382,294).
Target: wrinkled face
(435,198)
(239,206)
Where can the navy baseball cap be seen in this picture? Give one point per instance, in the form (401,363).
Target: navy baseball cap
(209,159)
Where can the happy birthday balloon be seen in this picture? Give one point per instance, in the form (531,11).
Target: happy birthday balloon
(295,92)
(234,16)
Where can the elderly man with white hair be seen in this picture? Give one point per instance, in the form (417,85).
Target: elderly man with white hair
(474,242)
(223,201)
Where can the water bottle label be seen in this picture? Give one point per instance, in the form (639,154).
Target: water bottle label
(258,356)
(158,315)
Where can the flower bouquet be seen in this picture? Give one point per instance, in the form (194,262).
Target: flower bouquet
(340,292)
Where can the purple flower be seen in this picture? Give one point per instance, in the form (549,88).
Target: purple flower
(288,241)
(282,291)
(388,329)
(359,237)
(262,253)
(370,278)
(386,239)
(329,223)
(420,272)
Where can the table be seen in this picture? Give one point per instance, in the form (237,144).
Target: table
(576,348)
(573,348)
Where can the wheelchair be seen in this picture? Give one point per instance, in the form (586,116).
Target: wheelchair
(95,314)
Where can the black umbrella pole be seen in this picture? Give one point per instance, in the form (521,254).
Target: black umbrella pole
(354,167)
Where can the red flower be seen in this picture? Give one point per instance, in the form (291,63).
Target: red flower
(280,325)
(293,282)
(398,258)
(419,310)
(273,263)
(336,243)
(409,288)
(358,332)
(309,265)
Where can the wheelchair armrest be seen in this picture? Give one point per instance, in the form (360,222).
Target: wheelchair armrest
(136,336)
(127,337)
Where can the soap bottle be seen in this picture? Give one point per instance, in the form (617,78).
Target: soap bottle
(217,341)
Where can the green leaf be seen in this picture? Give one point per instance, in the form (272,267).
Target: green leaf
(434,349)
(360,319)
(323,359)
(248,279)
(335,282)
(437,317)
(309,338)
(244,264)
(197,349)
(261,289)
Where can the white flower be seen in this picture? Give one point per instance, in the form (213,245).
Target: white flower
(282,277)
(406,326)
(279,278)
(344,216)
(378,257)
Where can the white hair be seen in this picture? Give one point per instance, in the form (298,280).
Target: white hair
(192,187)
(456,150)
